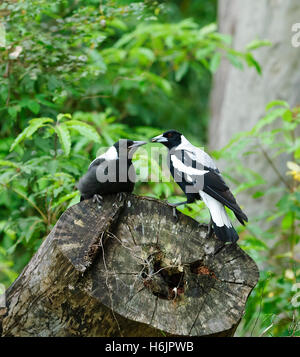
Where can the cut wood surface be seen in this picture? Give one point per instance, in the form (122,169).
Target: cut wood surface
(129,270)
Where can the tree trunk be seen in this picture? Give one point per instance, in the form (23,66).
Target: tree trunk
(129,270)
(239,97)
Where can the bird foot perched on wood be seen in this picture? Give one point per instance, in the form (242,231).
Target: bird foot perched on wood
(210,230)
(120,196)
(174,205)
(98,199)
(174,212)
(175,215)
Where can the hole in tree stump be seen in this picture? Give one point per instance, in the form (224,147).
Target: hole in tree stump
(199,268)
(163,280)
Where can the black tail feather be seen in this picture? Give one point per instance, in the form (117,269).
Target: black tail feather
(226,234)
(240,215)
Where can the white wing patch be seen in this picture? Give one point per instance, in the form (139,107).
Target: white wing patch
(189,179)
(109,155)
(217,210)
(179,165)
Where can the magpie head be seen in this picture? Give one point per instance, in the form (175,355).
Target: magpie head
(126,148)
(170,139)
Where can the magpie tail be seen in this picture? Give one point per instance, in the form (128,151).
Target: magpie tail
(241,217)
(227,199)
(222,226)
(226,234)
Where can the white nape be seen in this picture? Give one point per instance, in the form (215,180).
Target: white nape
(109,155)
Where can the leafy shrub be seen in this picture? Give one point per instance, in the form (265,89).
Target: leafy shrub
(272,308)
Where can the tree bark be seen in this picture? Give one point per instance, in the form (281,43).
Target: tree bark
(129,270)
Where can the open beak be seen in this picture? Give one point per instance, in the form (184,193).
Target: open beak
(136,144)
(159,139)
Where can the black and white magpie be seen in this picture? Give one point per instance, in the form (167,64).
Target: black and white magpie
(111,172)
(199,178)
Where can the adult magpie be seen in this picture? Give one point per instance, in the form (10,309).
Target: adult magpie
(111,172)
(199,178)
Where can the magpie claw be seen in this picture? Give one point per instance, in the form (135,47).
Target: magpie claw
(175,215)
(120,196)
(98,199)
(210,230)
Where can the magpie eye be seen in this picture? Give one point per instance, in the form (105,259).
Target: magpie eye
(170,135)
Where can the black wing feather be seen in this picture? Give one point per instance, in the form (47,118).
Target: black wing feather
(215,186)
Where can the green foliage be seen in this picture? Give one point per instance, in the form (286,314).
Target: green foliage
(62,56)
(271,310)
(75,76)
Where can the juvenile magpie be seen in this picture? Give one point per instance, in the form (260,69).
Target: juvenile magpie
(111,172)
(199,178)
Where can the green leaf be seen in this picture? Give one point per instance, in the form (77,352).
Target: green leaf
(208,29)
(284,255)
(35,124)
(182,70)
(225,38)
(8,163)
(234,60)
(64,137)
(63,116)
(13,111)
(258,43)
(287,221)
(84,129)
(204,52)
(33,106)
(256,243)
(119,24)
(145,52)
(65,198)
(258,194)
(288,116)
(297,153)
(276,103)
(124,40)
(251,61)
(159,81)
(268,119)
(215,62)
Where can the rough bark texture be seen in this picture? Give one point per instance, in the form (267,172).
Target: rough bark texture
(129,270)
(239,98)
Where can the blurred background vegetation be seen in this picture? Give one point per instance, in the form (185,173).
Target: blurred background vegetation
(75,76)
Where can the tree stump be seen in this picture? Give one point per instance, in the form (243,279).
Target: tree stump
(129,270)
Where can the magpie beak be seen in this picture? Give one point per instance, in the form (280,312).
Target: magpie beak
(159,139)
(136,144)
(132,148)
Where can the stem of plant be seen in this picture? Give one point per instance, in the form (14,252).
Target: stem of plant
(270,161)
